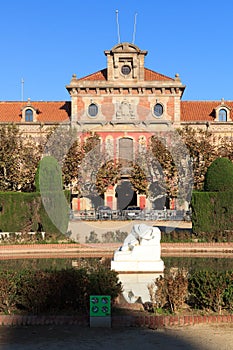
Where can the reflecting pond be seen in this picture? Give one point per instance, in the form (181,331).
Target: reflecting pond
(135,285)
(189,263)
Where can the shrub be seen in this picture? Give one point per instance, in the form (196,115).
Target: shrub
(50,291)
(24,212)
(171,291)
(212,215)
(93,238)
(212,211)
(48,175)
(108,237)
(211,290)
(177,235)
(70,290)
(120,236)
(33,291)
(112,237)
(8,291)
(48,181)
(105,281)
(208,290)
(219,176)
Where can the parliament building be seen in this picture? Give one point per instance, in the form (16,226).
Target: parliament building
(125,104)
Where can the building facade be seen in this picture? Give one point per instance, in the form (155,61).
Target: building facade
(125,104)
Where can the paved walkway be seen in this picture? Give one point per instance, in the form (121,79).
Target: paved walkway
(107,250)
(199,337)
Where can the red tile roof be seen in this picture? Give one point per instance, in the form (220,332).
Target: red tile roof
(149,75)
(47,111)
(60,111)
(152,75)
(201,110)
(100,75)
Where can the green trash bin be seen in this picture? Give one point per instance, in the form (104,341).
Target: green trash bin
(100,311)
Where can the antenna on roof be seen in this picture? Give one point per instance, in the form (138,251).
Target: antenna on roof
(22,86)
(134,27)
(118,28)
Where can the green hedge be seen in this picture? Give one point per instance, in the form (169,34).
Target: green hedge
(211,290)
(53,291)
(219,176)
(212,213)
(24,212)
(17,210)
(193,264)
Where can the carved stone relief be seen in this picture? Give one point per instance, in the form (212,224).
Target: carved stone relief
(125,110)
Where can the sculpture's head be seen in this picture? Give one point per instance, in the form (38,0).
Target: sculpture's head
(144,231)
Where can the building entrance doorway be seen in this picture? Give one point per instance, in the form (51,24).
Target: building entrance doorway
(125,195)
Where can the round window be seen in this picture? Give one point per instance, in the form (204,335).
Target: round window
(92,110)
(158,110)
(125,69)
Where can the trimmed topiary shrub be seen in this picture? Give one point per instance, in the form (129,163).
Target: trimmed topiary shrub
(48,181)
(219,176)
(49,175)
(212,210)
(212,215)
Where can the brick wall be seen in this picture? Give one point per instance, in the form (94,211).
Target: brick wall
(145,321)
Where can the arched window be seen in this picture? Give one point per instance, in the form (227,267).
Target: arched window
(125,151)
(158,110)
(92,110)
(222,115)
(28,115)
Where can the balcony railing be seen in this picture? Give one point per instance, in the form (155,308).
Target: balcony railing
(163,215)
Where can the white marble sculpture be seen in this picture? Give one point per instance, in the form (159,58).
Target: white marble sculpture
(140,252)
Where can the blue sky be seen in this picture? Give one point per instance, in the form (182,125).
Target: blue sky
(45,42)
